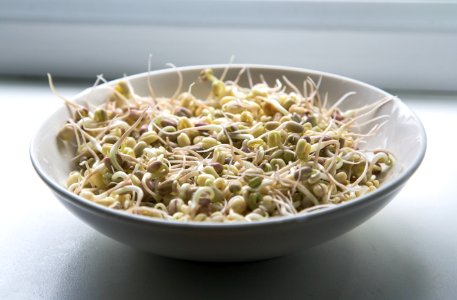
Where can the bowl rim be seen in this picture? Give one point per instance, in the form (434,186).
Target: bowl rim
(384,189)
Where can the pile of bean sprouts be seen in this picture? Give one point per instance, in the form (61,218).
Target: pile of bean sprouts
(241,154)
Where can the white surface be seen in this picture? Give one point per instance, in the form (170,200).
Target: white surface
(407,251)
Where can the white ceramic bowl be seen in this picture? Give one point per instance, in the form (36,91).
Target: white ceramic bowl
(404,135)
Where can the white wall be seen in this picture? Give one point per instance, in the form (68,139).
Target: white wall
(393,45)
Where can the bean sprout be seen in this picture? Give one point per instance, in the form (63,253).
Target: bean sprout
(241,154)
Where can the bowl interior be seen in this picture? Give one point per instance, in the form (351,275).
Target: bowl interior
(402,134)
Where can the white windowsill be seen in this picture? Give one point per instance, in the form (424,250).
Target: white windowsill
(407,251)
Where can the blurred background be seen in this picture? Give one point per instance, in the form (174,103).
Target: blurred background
(408,45)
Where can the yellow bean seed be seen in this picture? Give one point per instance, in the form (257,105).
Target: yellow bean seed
(341,177)
(100,115)
(202,178)
(183,140)
(139,147)
(294,127)
(149,137)
(184,123)
(255,143)
(209,142)
(218,88)
(274,139)
(130,142)
(233,107)
(67,133)
(237,204)
(303,149)
(220,183)
(210,170)
(246,117)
